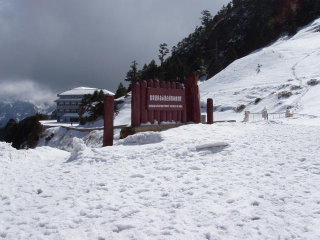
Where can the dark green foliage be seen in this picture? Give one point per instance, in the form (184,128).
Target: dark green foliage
(257,100)
(313,82)
(121,91)
(132,74)
(240,108)
(284,94)
(91,107)
(163,51)
(236,30)
(24,134)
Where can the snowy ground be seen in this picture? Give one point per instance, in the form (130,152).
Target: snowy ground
(226,181)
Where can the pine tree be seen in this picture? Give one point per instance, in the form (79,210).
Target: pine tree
(121,91)
(163,50)
(132,74)
(205,18)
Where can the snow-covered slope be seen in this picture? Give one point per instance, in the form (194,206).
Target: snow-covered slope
(287,65)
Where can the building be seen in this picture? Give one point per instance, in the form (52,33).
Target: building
(69,102)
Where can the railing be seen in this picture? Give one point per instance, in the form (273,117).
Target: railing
(264,115)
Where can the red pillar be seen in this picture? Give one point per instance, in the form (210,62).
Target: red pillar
(108,120)
(135,105)
(169,112)
(156,84)
(163,113)
(143,102)
(179,113)
(193,99)
(175,112)
(150,112)
(210,111)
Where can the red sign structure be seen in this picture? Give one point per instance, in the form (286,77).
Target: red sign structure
(155,102)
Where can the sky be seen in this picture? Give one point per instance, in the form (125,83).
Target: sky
(52,46)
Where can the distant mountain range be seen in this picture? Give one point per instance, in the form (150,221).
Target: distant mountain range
(19,110)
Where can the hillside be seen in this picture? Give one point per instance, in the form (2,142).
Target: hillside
(288,65)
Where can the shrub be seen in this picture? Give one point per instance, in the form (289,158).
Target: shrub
(313,82)
(284,94)
(240,108)
(295,87)
(257,100)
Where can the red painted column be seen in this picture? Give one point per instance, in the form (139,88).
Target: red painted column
(210,111)
(184,112)
(150,112)
(169,112)
(179,113)
(143,102)
(156,84)
(174,112)
(193,99)
(135,105)
(163,114)
(108,120)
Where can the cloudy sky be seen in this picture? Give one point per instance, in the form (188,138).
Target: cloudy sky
(53,45)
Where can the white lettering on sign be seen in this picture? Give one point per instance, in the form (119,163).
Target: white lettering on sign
(165,98)
(165,106)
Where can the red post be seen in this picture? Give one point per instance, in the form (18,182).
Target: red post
(179,113)
(150,112)
(184,112)
(143,102)
(156,84)
(193,99)
(175,112)
(210,111)
(135,105)
(108,121)
(169,112)
(163,114)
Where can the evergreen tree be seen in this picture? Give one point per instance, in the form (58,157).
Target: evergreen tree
(121,91)
(206,18)
(132,74)
(163,51)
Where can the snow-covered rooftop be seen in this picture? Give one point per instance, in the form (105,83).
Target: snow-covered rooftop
(83,91)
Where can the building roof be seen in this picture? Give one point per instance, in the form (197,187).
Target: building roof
(83,91)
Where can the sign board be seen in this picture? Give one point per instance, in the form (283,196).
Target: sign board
(165,99)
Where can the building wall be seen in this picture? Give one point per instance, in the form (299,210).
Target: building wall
(68,104)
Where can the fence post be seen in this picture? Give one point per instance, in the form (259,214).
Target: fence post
(210,111)
(246,116)
(135,105)
(108,108)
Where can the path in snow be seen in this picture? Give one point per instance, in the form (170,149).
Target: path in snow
(234,181)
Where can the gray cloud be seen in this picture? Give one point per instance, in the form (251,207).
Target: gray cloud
(66,43)
(32,92)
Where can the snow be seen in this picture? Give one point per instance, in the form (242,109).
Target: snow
(234,181)
(83,91)
(256,180)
